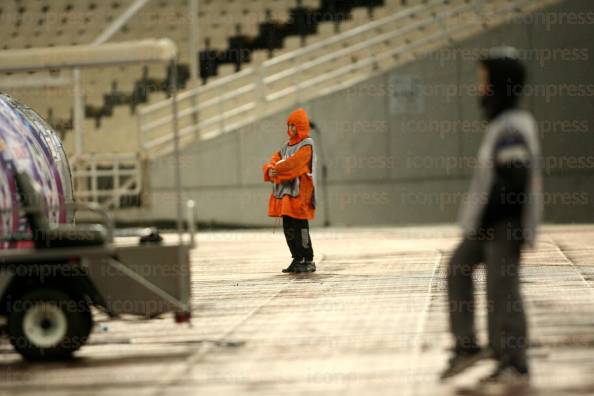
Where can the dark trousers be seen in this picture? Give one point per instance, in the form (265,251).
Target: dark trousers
(499,248)
(297,235)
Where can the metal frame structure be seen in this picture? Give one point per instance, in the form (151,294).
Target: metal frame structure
(90,168)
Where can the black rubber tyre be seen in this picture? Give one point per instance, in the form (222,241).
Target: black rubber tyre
(47,324)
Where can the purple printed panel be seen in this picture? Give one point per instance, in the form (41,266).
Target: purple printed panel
(28,144)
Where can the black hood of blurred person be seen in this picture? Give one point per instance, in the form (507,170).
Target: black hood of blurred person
(506,76)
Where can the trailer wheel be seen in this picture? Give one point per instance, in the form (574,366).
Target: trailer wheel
(47,324)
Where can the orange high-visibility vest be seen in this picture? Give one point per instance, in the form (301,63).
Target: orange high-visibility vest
(293,193)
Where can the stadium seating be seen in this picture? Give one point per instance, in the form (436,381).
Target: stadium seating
(113,94)
(42,23)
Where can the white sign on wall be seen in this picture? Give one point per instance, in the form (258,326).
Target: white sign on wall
(405,94)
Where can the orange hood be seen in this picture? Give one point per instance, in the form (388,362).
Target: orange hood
(299,118)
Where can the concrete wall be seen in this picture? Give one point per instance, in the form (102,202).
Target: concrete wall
(400,146)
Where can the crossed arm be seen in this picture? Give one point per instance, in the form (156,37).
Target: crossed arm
(278,171)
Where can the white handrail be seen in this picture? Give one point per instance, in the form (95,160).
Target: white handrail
(350,33)
(361,63)
(369,61)
(202,106)
(144,110)
(363,45)
(356,47)
(293,54)
(267,102)
(161,140)
(193,92)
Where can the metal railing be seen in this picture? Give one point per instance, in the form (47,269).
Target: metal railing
(110,179)
(239,99)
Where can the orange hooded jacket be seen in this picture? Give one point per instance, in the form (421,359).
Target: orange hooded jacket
(298,165)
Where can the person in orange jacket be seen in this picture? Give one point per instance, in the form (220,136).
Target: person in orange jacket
(292,172)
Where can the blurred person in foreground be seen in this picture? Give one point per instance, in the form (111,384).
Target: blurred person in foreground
(291,170)
(499,217)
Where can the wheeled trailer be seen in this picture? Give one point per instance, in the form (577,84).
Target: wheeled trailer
(48,292)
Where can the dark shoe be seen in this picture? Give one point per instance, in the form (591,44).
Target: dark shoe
(291,267)
(305,266)
(463,359)
(507,374)
(150,236)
